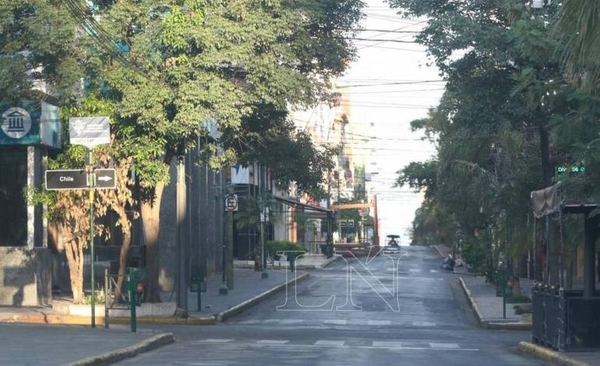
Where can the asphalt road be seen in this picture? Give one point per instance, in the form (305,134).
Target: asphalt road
(401,310)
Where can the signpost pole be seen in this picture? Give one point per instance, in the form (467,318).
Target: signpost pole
(223,289)
(92,254)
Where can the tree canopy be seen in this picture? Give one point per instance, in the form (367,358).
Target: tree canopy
(161,69)
(510,115)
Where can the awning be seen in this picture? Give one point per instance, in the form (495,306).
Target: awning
(294,203)
(548,201)
(545,201)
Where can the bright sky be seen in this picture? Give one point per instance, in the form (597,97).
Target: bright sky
(389,86)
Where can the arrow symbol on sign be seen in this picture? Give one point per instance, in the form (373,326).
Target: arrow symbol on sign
(104,178)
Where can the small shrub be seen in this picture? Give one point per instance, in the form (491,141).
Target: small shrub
(100,298)
(518,299)
(477,256)
(278,246)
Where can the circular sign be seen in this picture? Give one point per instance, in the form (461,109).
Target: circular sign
(231,202)
(16,122)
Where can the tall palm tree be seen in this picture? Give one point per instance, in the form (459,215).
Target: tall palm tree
(578,25)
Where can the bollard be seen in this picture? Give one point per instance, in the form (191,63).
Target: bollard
(107,293)
(132,303)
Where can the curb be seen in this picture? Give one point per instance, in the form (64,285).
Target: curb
(329,261)
(128,352)
(286,267)
(472,303)
(100,321)
(438,250)
(491,325)
(223,316)
(207,320)
(52,319)
(549,355)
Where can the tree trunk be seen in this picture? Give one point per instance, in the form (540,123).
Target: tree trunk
(74,253)
(126,229)
(151,222)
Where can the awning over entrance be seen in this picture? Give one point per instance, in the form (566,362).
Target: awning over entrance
(317,211)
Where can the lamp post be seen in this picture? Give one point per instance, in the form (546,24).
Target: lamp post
(264,212)
(231,205)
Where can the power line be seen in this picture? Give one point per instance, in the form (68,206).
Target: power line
(415,82)
(379,40)
(393,91)
(388,31)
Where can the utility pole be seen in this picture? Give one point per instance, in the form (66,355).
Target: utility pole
(229,205)
(223,289)
(329,219)
(375,222)
(229,236)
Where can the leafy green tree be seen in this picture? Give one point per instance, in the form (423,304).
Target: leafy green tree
(578,26)
(37,47)
(489,128)
(179,63)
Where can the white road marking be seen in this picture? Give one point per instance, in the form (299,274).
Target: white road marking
(330,343)
(335,322)
(389,345)
(271,321)
(271,341)
(250,322)
(415,270)
(291,321)
(214,341)
(423,324)
(444,345)
(386,344)
(379,322)
(206,363)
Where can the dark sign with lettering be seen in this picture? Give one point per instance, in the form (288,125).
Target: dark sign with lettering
(66,179)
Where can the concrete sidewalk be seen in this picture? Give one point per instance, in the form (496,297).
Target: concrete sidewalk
(489,310)
(46,336)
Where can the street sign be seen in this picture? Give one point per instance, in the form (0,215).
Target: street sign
(105,179)
(89,131)
(231,202)
(66,179)
(78,179)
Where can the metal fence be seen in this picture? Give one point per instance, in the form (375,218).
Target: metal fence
(565,320)
(548,316)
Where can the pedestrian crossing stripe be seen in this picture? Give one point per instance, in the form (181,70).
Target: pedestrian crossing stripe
(371,323)
(391,345)
(444,345)
(215,341)
(387,344)
(291,321)
(336,322)
(271,341)
(330,343)
(379,322)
